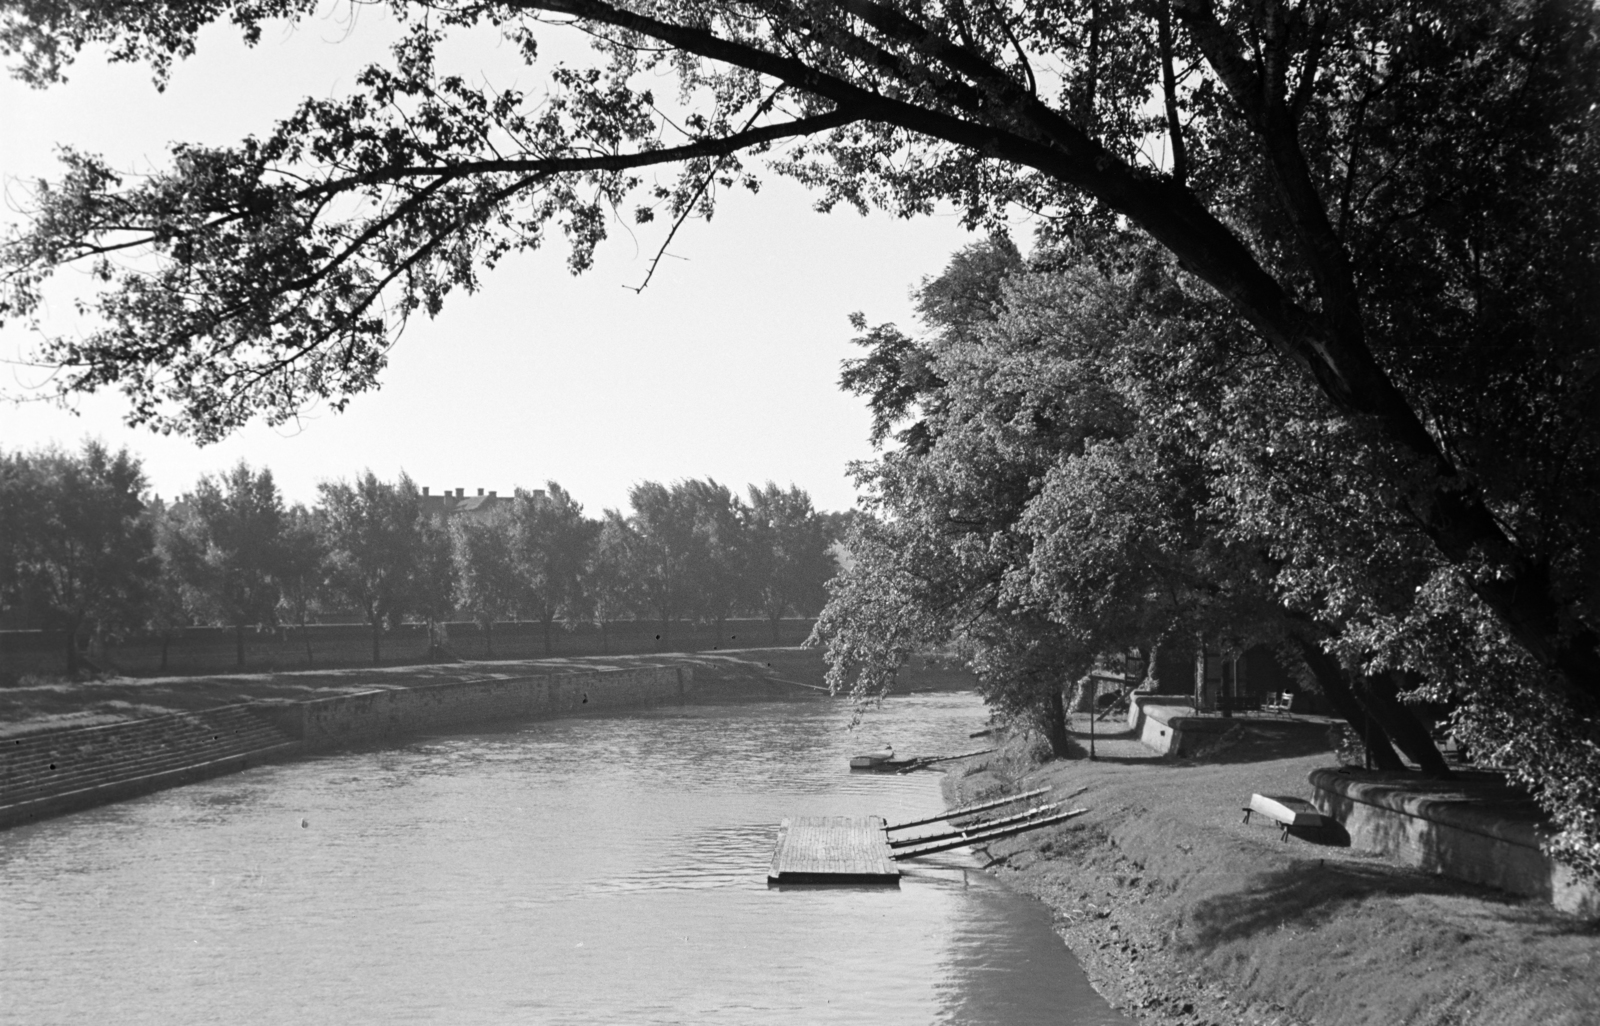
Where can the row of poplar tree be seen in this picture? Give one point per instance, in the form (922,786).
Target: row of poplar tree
(90,552)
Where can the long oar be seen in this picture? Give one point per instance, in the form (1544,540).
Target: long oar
(966,809)
(976,828)
(992,835)
(931,759)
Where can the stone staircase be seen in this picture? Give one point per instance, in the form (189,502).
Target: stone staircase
(59,771)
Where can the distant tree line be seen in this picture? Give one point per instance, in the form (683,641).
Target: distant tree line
(89,552)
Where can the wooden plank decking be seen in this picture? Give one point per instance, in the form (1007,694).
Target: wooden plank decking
(832,849)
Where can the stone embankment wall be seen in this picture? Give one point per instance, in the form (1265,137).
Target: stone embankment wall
(373,716)
(53,772)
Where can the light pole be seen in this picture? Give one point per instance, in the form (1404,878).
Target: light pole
(1094,700)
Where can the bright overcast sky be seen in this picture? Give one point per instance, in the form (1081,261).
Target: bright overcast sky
(727,366)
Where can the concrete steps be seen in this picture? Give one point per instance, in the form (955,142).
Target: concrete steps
(61,770)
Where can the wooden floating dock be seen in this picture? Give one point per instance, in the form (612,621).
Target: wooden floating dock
(833,849)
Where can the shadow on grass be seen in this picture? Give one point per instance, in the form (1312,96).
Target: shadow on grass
(1309,892)
(1264,740)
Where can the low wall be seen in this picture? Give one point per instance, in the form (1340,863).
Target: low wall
(1173,729)
(377,715)
(1470,830)
(1139,699)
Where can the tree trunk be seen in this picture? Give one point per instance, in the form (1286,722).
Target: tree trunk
(1055,724)
(1331,677)
(72,648)
(377,630)
(1382,696)
(238,645)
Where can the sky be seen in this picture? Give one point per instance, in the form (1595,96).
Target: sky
(726,366)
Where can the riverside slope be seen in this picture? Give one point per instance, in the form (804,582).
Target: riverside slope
(1180,913)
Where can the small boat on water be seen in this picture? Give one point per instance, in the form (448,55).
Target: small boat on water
(871,760)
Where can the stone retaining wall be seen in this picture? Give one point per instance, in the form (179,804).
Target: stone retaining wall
(364,718)
(372,716)
(1466,831)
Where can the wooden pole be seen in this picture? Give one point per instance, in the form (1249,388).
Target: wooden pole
(1094,697)
(992,835)
(965,809)
(976,828)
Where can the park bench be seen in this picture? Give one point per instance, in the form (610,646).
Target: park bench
(1286,812)
(1279,703)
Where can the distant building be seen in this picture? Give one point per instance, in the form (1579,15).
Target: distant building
(444,506)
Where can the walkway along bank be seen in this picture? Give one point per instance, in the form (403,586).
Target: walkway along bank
(51,772)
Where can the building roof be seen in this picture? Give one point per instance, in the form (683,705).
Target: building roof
(451,502)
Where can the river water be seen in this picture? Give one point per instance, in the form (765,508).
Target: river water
(604,870)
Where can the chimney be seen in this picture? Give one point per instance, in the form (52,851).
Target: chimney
(460,492)
(493,494)
(480,493)
(424,491)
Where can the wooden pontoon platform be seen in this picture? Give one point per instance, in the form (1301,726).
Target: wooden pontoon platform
(833,849)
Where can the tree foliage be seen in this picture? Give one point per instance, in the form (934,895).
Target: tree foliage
(665,550)
(487,586)
(1395,199)
(302,585)
(80,548)
(790,561)
(374,534)
(226,542)
(552,542)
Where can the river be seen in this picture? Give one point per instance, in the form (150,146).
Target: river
(598,870)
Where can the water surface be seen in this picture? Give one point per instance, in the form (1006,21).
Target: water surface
(596,870)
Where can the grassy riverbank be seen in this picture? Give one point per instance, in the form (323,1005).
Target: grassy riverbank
(1182,914)
(47,703)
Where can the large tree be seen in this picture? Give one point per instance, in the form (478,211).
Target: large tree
(374,534)
(664,552)
(81,548)
(487,582)
(720,573)
(433,582)
(789,559)
(226,541)
(552,545)
(610,589)
(302,570)
(1395,198)
(170,604)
